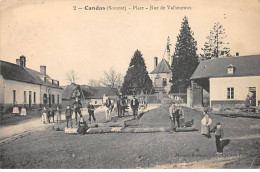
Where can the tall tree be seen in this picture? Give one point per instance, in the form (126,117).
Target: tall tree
(112,78)
(71,77)
(137,79)
(216,46)
(185,59)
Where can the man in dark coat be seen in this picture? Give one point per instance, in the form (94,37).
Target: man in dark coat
(134,106)
(77,105)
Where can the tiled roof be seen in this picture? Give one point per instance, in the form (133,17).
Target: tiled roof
(37,75)
(15,72)
(162,67)
(244,66)
(88,91)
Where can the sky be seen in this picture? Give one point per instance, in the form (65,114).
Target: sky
(89,42)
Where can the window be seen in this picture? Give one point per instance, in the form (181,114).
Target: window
(164,82)
(34,97)
(230,93)
(53,99)
(95,102)
(14,96)
(25,95)
(58,99)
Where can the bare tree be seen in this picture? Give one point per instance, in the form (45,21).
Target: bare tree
(94,83)
(71,77)
(112,78)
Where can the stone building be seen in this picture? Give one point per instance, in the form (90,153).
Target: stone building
(22,85)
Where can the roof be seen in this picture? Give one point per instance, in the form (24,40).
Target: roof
(88,91)
(15,72)
(11,71)
(37,75)
(213,68)
(162,67)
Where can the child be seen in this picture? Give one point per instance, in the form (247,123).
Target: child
(82,126)
(91,112)
(44,115)
(23,111)
(219,134)
(58,114)
(68,114)
(15,109)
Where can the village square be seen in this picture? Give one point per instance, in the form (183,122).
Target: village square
(190,110)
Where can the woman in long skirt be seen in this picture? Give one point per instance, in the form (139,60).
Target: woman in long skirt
(205,125)
(15,109)
(23,111)
(44,115)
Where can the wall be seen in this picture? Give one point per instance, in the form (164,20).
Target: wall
(53,91)
(20,87)
(162,75)
(218,89)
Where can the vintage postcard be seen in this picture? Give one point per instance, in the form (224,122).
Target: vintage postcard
(129,84)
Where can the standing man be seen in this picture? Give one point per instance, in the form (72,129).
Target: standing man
(219,134)
(172,113)
(120,105)
(68,114)
(134,106)
(91,112)
(107,106)
(77,105)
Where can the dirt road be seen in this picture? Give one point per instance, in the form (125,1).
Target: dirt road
(55,149)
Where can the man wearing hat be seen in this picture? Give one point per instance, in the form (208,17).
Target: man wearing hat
(134,106)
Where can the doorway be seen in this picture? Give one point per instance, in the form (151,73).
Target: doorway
(252,96)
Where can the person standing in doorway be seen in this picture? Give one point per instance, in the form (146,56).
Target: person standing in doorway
(135,106)
(77,105)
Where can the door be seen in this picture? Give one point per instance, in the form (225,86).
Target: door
(30,99)
(252,96)
(49,100)
(44,99)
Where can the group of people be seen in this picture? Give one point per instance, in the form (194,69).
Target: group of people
(218,130)
(49,113)
(121,106)
(16,111)
(177,115)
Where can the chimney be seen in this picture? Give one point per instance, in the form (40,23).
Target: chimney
(52,82)
(237,53)
(18,62)
(43,70)
(22,61)
(58,83)
(155,61)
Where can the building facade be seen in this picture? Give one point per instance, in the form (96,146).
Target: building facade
(161,76)
(231,81)
(23,86)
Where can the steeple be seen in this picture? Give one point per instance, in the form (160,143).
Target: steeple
(168,50)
